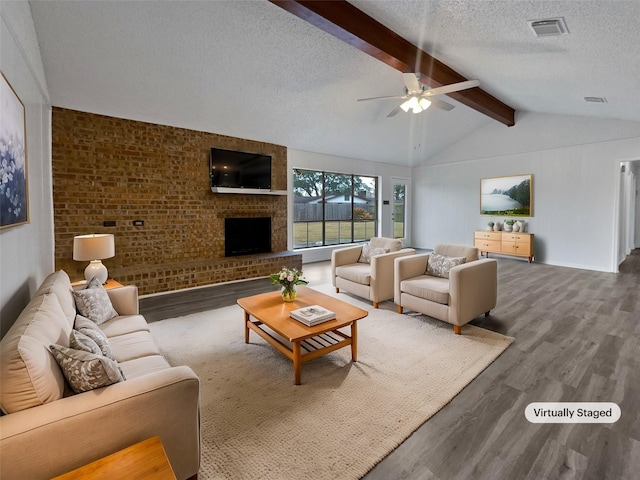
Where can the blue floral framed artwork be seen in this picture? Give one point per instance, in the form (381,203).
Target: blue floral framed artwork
(14,196)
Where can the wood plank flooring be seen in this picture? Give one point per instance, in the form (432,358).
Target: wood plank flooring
(577,339)
(184,302)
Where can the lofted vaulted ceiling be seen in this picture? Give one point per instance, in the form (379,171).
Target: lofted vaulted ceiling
(252,69)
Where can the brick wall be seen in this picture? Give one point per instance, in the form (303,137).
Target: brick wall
(107,168)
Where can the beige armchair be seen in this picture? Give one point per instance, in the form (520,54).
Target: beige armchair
(470,290)
(367,270)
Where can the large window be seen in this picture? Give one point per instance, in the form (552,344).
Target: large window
(333,208)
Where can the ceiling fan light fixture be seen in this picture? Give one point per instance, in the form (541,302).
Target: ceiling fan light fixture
(416,98)
(412,104)
(424,103)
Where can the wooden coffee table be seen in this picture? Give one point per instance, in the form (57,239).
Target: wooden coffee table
(291,337)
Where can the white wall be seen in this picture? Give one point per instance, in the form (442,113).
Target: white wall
(26,251)
(329,163)
(635,167)
(575,164)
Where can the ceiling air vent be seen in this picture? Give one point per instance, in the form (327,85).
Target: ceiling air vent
(595,99)
(549,27)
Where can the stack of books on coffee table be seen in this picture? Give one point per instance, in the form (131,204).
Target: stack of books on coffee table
(312,315)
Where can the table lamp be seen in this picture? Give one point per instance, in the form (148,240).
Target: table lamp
(94,247)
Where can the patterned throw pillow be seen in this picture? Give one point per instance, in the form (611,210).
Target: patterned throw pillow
(368,251)
(439,265)
(93,303)
(91,330)
(93,283)
(80,341)
(85,371)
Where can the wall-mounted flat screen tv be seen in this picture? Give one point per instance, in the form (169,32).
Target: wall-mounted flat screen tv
(233,169)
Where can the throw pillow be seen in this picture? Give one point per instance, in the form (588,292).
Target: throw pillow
(93,283)
(439,265)
(368,251)
(91,330)
(94,304)
(80,341)
(85,371)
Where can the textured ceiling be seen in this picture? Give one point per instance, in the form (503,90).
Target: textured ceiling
(250,69)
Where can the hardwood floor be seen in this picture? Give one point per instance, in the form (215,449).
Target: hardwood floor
(176,304)
(577,339)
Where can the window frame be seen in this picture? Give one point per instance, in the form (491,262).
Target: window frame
(370,226)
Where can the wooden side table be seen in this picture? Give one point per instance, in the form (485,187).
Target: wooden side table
(146,459)
(111,283)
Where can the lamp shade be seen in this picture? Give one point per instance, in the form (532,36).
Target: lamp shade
(94,247)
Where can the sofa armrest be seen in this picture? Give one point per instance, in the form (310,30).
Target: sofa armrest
(408,267)
(473,289)
(343,256)
(382,273)
(124,299)
(76,430)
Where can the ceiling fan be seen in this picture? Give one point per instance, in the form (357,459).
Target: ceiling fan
(418,98)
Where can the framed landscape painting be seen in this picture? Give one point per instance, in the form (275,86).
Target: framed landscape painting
(506,196)
(13,158)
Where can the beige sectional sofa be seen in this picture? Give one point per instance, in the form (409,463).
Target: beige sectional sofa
(47,429)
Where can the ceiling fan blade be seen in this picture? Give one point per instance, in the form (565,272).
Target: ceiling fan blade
(394,112)
(411,82)
(454,87)
(440,104)
(381,98)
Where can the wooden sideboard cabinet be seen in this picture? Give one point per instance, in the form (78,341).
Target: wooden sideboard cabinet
(488,241)
(507,243)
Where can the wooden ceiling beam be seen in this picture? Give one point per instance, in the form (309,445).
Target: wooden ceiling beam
(353,26)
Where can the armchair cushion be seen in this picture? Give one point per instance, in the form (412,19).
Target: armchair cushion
(356,272)
(434,289)
(439,265)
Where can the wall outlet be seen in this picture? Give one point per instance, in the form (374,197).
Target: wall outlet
(138,223)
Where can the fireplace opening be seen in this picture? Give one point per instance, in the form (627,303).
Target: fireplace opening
(247,236)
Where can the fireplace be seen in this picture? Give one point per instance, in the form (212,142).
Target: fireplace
(247,236)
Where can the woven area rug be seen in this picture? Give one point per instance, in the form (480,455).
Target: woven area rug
(345,417)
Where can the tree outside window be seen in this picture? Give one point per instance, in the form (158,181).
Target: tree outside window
(333,208)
